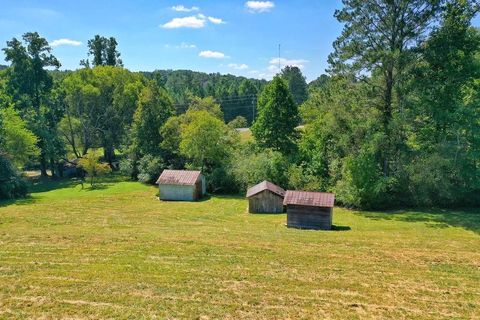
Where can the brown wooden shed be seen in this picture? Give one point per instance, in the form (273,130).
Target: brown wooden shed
(181,185)
(265,197)
(309,210)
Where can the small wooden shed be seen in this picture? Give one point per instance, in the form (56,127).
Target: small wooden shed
(309,210)
(181,185)
(265,197)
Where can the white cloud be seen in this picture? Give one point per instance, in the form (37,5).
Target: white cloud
(235,66)
(216,20)
(274,62)
(183,45)
(273,67)
(212,54)
(186,22)
(182,8)
(65,42)
(259,6)
(197,21)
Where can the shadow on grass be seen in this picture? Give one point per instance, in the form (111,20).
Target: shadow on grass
(48,184)
(469,219)
(20,202)
(340,228)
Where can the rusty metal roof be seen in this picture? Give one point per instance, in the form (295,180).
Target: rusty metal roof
(265,185)
(179,177)
(313,199)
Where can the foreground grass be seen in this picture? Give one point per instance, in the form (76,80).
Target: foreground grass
(117,252)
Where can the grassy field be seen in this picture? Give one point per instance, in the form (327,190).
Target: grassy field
(117,252)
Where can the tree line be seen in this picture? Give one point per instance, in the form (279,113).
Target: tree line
(396,122)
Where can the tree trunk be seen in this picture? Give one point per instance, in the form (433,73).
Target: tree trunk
(43,164)
(109,154)
(387,118)
(52,167)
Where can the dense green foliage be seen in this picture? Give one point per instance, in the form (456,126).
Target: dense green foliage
(395,123)
(296,83)
(408,133)
(12,185)
(277,117)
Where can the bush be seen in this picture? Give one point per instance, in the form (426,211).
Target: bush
(249,168)
(238,122)
(149,168)
(363,184)
(12,185)
(128,167)
(220,181)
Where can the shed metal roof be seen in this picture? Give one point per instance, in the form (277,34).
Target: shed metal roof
(313,199)
(265,185)
(179,177)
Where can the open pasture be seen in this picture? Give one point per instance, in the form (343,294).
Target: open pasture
(117,252)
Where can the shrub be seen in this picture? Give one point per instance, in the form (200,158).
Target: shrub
(128,167)
(249,168)
(363,184)
(238,122)
(149,168)
(12,185)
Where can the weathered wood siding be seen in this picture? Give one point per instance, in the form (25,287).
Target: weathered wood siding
(307,217)
(178,192)
(265,202)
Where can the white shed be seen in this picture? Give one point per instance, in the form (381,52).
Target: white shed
(181,185)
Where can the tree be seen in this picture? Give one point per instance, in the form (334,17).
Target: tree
(441,137)
(104,100)
(12,185)
(154,107)
(206,140)
(207,104)
(31,84)
(93,167)
(377,39)
(238,122)
(296,83)
(103,51)
(277,117)
(17,140)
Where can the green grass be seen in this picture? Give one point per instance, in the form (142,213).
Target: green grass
(117,252)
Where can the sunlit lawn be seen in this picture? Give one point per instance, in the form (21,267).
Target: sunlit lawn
(117,252)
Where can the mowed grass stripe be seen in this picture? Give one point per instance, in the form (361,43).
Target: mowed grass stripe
(117,252)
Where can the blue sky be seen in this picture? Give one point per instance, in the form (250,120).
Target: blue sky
(237,37)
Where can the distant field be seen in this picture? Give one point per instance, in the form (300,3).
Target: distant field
(117,252)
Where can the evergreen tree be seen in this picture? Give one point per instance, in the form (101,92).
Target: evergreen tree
(296,83)
(376,39)
(277,117)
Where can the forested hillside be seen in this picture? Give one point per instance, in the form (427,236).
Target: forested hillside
(396,122)
(236,95)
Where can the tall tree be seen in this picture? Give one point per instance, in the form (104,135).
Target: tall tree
(277,117)
(32,84)
(296,83)
(154,107)
(206,140)
(444,125)
(375,40)
(103,51)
